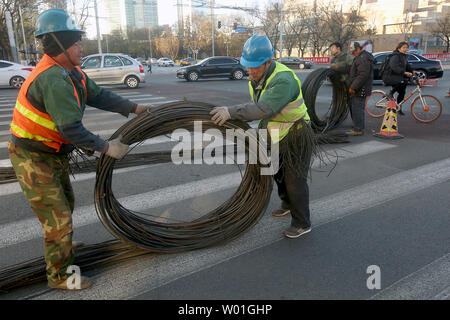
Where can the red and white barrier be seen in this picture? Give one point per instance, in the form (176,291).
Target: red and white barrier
(317,59)
(437,56)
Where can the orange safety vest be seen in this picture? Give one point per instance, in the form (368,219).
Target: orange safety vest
(30,123)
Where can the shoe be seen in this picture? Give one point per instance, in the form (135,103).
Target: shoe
(280,212)
(294,232)
(85,282)
(400,112)
(355,132)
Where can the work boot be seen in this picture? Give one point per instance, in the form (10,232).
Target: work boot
(294,232)
(355,132)
(85,282)
(280,212)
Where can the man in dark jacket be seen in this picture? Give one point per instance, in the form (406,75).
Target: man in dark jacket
(361,77)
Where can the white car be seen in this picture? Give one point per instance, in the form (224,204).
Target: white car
(13,74)
(165,62)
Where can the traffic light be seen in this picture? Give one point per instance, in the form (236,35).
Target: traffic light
(234,26)
(219,24)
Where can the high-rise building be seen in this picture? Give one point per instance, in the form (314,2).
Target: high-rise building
(145,13)
(125,14)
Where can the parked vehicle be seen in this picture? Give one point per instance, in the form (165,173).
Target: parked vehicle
(165,62)
(296,62)
(226,67)
(13,74)
(142,61)
(425,68)
(114,68)
(153,60)
(188,62)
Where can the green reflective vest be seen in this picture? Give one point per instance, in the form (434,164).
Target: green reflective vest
(279,125)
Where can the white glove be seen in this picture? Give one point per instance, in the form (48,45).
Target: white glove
(117,149)
(142,108)
(220,115)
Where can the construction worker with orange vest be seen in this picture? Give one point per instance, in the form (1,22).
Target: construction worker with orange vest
(276,96)
(47,126)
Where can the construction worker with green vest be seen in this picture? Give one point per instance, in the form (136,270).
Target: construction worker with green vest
(47,127)
(277,100)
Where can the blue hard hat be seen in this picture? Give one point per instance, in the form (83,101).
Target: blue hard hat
(55,20)
(257,50)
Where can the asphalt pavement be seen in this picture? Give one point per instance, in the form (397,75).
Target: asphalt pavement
(375,205)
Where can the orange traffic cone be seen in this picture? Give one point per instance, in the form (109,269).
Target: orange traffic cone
(389,127)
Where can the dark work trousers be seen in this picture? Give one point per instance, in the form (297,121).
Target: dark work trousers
(294,194)
(357,112)
(401,89)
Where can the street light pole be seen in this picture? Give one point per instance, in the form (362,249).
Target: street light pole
(150,41)
(12,41)
(23,34)
(212,25)
(281,29)
(99,41)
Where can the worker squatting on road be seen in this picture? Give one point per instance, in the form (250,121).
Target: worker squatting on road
(277,99)
(46,128)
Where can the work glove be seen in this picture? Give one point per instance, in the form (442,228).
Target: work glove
(220,115)
(117,149)
(142,108)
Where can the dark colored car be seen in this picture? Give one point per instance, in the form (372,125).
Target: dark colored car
(188,62)
(426,68)
(213,67)
(296,62)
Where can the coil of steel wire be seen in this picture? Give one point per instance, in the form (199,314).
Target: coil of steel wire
(338,108)
(224,223)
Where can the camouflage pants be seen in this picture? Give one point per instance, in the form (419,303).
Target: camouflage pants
(44,179)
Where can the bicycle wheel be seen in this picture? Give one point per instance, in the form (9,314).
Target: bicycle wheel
(376,103)
(426,113)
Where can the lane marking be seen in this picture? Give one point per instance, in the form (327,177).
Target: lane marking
(429,282)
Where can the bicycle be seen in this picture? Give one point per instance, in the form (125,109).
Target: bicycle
(424,108)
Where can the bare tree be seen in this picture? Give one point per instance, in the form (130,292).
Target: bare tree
(297,27)
(81,11)
(29,14)
(340,26)
(168,45)
(270,20)
(406,26)
(318,32)
(442,30)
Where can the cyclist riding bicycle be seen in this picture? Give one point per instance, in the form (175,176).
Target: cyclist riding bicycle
(396,72)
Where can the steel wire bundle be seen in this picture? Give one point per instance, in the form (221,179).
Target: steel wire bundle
(224,223)
(87,257)
(141,236)
(338,109)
